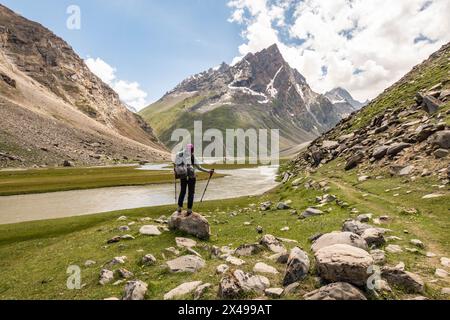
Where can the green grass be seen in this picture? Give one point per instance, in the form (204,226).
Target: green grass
(64,179)
(35,255)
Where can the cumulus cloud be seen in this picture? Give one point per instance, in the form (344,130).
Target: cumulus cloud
(363,46)
(129,92)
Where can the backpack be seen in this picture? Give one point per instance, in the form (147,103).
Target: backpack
(181,168)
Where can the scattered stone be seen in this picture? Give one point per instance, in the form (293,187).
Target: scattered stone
(265,206)
(90,263)
(135,290)
(397,148)
(275,293)
(182,290)
(122,218)
(150,230)
(311,212)
(355,227)
(336,291)
(201,290)
(285,229)
(247,250)
(363,178)
(124,228)
(284,205)
(441,273)
(148,260)
(433,196)
(333,238)
(292,288)
(106,276)
(364,217)
(441,153)
(400,266)
(445,262)
(222,269)
(297,182)
(273,244)
(445,291)
(342,262)
(235,261)
(188,263)
(374,237)
(116,261)
(251,283)
(430,255)
(408,281)
(417,243)
(194,224)
(441,139)
(264,268)
(392,248)
(380,152)
(393,238)
(297,266)
(127,237)
(185,243)
(125,274)
(354,161)
(173,251)
(115,239)
(259,229)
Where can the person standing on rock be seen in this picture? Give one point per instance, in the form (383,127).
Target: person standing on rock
(185,170)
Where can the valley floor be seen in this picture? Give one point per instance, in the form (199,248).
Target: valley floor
(36,255)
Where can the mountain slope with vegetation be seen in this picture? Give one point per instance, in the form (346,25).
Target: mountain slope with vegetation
(53,108)
(261,91)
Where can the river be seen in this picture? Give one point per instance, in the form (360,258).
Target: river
(237,183)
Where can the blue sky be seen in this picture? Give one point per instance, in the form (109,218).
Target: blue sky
(143,48)
(154,42)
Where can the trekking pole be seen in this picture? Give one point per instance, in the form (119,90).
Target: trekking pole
(207,184)
(175,180)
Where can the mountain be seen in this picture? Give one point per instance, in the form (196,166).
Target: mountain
(260,91)
(403,132)
(344,102)
(53,109)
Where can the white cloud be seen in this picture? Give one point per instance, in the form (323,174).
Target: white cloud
(129,92)
(365,46)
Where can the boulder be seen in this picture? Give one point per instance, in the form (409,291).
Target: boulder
(408,281)
(311,212)
(251,283)
(396,148)
(185,243)
(297,266)
(333,238)
(265,206)
(354,161)
(235,261)
(188,263)
(106,276)
(273,244)
(274,292)
(182,290)
(393,248)
(148,260)
(194,224)
(441,139)
(264,268)
(135,290)
(222,269)
(246,250)
(441,153)
(364,218)
(201,290)
(149,231)
(284,205)
(124,273)
(342,262)
(336,291)
(379,152)
(229,288)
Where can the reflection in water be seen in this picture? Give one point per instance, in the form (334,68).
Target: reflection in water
(242,182)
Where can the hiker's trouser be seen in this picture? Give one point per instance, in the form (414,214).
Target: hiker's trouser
(187,185)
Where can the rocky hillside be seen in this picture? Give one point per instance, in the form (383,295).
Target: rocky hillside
(54,109)
(261,91)
(405,131)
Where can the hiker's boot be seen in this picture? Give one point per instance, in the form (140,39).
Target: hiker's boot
(180,210)
(189,212)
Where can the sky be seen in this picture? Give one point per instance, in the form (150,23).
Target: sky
(144,48)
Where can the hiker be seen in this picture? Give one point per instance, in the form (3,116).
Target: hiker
(185,165)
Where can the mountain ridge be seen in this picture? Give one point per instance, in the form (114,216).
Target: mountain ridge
(260,91)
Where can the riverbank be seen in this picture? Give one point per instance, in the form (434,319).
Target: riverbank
(35,255)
